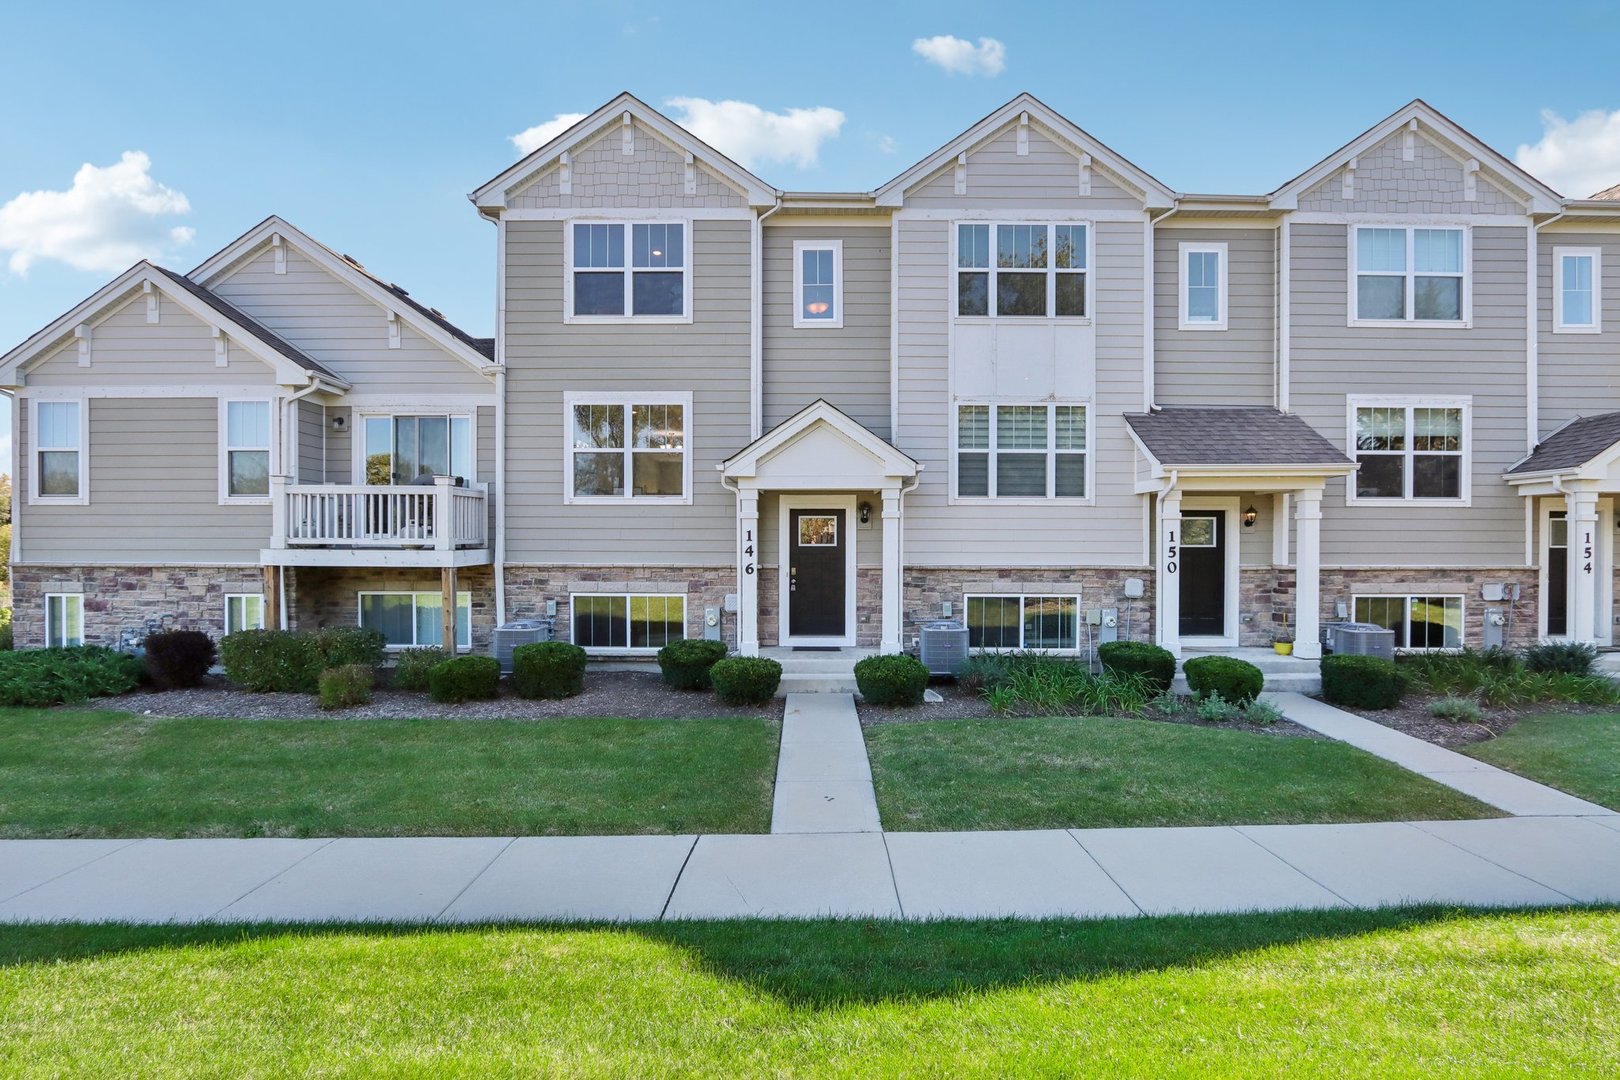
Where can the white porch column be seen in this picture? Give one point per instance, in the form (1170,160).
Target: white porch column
(1279,529)
(893,573)
(1583,564)
(1168,588)
(1308,574)
(748,572)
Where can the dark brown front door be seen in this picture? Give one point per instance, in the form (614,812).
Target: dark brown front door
(815,600)
(1557,600)
(1203,574)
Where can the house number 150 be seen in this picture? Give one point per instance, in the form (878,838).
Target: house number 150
(1171,551)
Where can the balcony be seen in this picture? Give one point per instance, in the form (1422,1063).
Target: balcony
(368,525)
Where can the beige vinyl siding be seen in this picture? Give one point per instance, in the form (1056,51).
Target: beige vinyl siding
(1330,360)
(868,540)
(344,330)
(1386,183)
(1048,177)
(126,350)
(340,445)
(1003,534)
(604,176)
(154,491)
(546,358)
(311,443)
(848,366)
(1579,373)
(1235,366)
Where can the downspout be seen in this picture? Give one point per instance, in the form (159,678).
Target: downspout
(1148,314)
(289,443)
(1285,316)
(500,422)
(756,325)
(1532,332)
(1158,562)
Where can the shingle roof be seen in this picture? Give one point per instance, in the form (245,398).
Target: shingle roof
(247,322)
(1572,445)
(1232,436)
(1609,193)
(485,346)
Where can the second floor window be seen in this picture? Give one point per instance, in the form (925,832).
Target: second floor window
(245,450)
(629,270)
(1577,290)
(403,449)
(1033,451)
(818,283)
(1410,451)
(1203,287)
(1021,270)
(59,472)
(622,450)
(1409,275)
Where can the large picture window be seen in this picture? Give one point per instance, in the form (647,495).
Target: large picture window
(1419,622)
(628,449)
(1047,623)
(1035,451)
(627,621)
(407,620)
(1023,270)
(407,449)
(64,620)
(245,450)
(622,270)
(1410,451)
(59,458)
(1410,274)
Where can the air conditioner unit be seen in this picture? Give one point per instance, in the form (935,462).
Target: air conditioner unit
(944,647)
(1360,639)
(509,636)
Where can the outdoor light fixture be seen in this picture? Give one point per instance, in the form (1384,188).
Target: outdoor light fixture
(866,513)
(1250,516)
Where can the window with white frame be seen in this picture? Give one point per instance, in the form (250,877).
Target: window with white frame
(1047,623)
(1410,450)
(64,620)
(402,448)
(1203,286)
(407,620)
(244,450)
(1409,274)
(818,283)
(1022,270)
(627,621)
(1577,290)
(621,269)
(1035,451)
(244,611)
(1419,622)
(59,460)
(628,449)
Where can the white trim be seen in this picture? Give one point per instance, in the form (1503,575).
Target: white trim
(1418,221)
(1559,254)
(1465,485)
(1603,610)
(1051,498)
(357,432)
(1034,591)
(385,402)
(229,597)
(273,458)
(1407,598)
(15,555)
(1051,271)
(64,641)
(1019,215)
(1183,284)
(800,320)
(641,214)
(1229,507)
(360,603)
(625,401)
(786,502)
(82,498)
(1410,274)
(626,596)
(74,393)
(627,270)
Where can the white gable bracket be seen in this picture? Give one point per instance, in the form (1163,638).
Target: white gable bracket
(565,174)
(153,306)
(1084,187)
(280,250)
(691,175)
(1409,140)
(1023,134)
(393,329)
(1470,180)
(222,348)
(1349,188)
(629,130)
(84,332)
(961,173)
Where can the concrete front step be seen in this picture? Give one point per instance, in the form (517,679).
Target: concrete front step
(1298,683)
(812,683)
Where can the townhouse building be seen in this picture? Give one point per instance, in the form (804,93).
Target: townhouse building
(1023,384)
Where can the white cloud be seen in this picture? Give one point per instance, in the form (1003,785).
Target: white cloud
(108,219)
(527,142)
(887,145)
(959,57)
(749,134)
(1578,157)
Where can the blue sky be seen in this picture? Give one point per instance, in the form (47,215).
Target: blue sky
(366,124)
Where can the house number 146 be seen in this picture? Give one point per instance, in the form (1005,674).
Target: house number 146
(748,551)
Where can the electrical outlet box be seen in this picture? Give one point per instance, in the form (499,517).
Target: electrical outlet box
(1093,616)
(945,609)
(731,603)
(1133,588)
(551,608)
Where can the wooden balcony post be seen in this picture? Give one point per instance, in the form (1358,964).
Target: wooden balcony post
(447,583)
(444,513)
(278,511)
(272,598)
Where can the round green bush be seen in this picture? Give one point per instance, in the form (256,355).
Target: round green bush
(464,678)
(745,680)
(896,679)
(412,667)
(179,658)
(1157,666)
(347,686)
(272,661)
(548,669)
(1362,682)
(341,646)
(686,663)
(1237,681)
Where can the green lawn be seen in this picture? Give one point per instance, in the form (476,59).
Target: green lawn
(1375,994)
(115,774)
(1088,772)
(1577,754)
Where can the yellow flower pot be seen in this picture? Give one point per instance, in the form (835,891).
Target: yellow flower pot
(1284,648)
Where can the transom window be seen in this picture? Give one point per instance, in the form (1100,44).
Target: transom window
(621,450)
(1409,274)
(1021,451)
(408,449)
(1023,622)
(644,278)
(627,621)
(64,620)
(818,283)
(245,449)
(1021,270)
(1577,290)
(59,471)
(408,620)
(1410,451)
(1203,286)
(1419,622)
(244,611)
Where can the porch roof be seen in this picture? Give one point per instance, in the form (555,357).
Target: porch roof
(1582,442)
(1241,437)
(820,447)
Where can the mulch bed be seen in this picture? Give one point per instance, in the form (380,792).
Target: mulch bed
(1412,717)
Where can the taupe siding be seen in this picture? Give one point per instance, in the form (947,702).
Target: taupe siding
(311,443)
(1331,360)
(1386,183)
(126,350)
(603,175)
(1579,373)
(546,357)
(1235,366)
(340,445)
(1048,177)
(848,366)
(868,539)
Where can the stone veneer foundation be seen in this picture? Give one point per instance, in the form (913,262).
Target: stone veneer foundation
(927,589)
(868,606)
(1339,585)
(528,588)
(330,596)
(129,598)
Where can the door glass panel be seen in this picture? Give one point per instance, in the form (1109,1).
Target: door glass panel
(817,530)
(1198,532)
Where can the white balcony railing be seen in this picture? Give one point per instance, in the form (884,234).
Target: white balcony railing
(440,517)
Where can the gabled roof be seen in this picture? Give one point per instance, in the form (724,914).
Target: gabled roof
(1151,190)
(477,353)
(292,365)
(1240,436)
(884,457)
(493,193)
(1541,198)
(1608,194)
(1578,443)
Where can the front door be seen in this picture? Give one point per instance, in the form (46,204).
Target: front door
(1556,598)
(816,592)
(1203,573)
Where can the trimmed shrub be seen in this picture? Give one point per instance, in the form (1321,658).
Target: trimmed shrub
(39,677)
(465,678)
(1236,681)
(341,646)
(1155,665)
(548,669)
(686,663)
(272,661)
(1561,657)
(176,659)
(745,680)
(1362,682)
(411,667)
(347,686)
(896,679)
